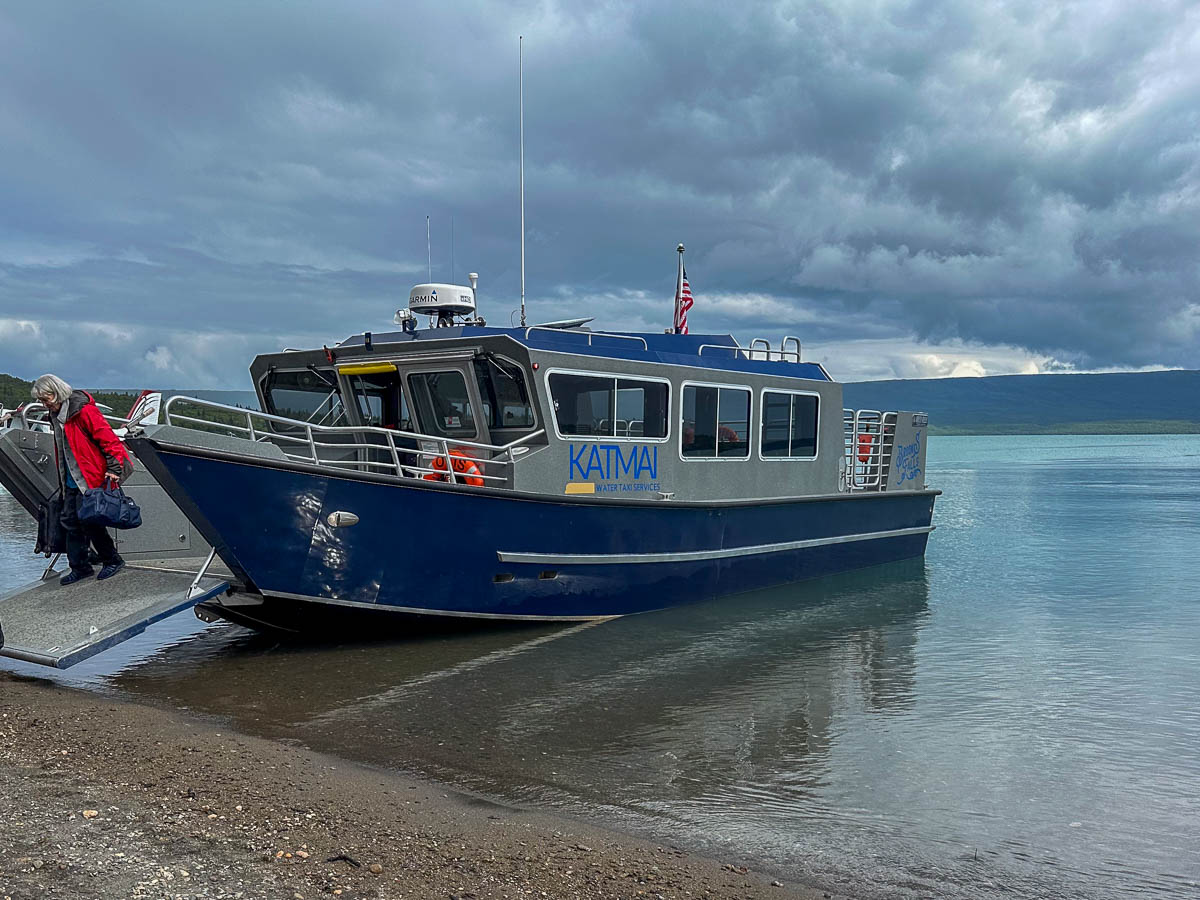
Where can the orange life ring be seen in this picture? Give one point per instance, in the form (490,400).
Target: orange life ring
(465,470)
(866,447)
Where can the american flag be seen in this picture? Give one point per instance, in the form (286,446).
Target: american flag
(683,302)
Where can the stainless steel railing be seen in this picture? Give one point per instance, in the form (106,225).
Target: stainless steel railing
(588,334)
(36,417)
(870,436)
(761,349)
(361,447)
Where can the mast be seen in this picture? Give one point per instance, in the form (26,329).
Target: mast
(521,59)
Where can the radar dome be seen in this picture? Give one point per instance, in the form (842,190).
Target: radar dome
(442,300)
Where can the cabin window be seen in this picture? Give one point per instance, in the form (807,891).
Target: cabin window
(716,423)
(609,406)
(789,425)
(308,395)
(442,403)
(503,393)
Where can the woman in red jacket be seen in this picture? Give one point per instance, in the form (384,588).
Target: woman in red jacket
(89,455)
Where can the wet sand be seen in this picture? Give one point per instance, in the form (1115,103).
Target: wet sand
(109,799)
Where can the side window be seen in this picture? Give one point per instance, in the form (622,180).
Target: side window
(583,404)
(642,408)
(442,404)
(716,423)
(789,427)
(776,424)
(804,425)
(602,406)
(306,395)
(503,393)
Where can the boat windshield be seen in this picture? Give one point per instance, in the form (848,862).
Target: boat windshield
(503,393)
(308,395)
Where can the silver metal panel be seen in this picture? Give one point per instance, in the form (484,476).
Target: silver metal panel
(27,467)
(906,468)
(175,434)
(550,470)
(27,470)
(165,529)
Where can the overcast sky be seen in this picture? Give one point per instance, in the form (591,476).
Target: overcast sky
(913,189)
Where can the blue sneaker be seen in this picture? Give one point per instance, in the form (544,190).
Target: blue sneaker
(77,575)
(111,569)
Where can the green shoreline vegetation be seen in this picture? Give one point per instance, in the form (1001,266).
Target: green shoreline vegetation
(15,391)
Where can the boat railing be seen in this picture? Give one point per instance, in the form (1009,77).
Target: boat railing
(870,436)
(36,417)
(403,454)
(789,349)
(33,417)
(588,334)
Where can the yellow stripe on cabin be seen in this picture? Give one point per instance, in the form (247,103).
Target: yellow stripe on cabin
(367,368)
(580,487)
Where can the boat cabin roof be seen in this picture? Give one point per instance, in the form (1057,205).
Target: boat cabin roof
(708,351)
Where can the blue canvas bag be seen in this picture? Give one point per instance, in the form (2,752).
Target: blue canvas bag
(109,507)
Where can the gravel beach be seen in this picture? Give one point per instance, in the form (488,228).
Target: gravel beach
(104,798)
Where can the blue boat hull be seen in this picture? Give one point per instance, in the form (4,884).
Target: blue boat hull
(433,549)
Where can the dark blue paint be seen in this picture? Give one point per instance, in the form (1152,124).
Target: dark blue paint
(434,547)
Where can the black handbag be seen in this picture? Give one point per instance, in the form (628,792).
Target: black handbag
(110,507)
(51,536)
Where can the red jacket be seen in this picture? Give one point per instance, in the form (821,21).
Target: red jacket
(95,447)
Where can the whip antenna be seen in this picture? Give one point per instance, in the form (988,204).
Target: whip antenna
(521,58)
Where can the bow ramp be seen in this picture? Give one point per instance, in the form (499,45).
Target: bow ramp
(51,625)
(166,570)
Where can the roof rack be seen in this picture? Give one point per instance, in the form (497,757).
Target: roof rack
(588,334)
(760,348)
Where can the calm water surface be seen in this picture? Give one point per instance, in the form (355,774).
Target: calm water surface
(1018,716)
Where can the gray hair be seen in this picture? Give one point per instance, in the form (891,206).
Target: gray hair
(51,385)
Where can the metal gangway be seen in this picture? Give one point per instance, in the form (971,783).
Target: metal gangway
(169,566)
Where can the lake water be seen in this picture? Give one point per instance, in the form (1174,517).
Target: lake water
(1017,716)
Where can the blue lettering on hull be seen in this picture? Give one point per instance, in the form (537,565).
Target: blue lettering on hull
(907,458)
(612,462)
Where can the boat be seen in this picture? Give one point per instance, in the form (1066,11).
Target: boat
(463,474)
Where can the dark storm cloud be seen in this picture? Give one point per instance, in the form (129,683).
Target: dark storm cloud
(197,183)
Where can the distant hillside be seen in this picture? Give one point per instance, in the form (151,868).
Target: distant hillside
(1126,402)
(15,391)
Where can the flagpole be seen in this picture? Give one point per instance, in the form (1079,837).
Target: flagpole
(678,291)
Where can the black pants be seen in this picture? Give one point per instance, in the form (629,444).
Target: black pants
(79,535)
